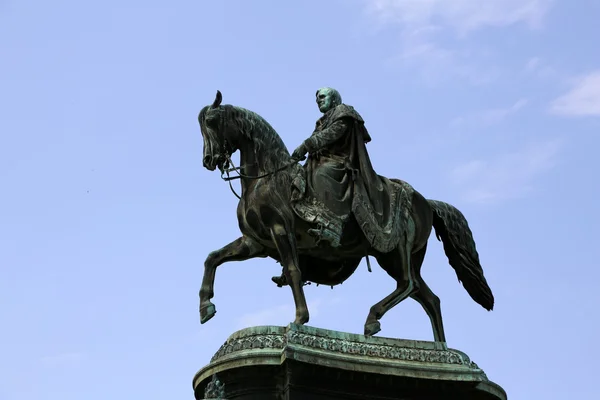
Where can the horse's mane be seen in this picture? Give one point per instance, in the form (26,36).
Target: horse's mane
(256,129)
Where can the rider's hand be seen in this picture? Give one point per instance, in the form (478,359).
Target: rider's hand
(300,152)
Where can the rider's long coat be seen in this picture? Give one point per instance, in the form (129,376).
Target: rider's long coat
(340,173)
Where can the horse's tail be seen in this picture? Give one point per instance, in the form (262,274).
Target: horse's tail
(452,229)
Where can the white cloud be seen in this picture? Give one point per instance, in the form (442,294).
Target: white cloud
(419,49)
(582,100)
(426,24)
(535,66)
(532,64)
(491,116)
(508,176)
(461,15)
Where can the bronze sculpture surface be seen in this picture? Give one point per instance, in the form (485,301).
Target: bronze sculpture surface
(321,219)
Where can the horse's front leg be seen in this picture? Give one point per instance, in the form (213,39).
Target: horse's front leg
(240,249)
(286,247)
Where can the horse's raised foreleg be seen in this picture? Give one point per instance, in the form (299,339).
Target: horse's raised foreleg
(240,249)
(397,265)
(286,246)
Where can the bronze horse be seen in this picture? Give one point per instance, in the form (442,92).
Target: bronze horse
(270,228)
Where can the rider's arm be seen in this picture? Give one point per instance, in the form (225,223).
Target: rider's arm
(326,137)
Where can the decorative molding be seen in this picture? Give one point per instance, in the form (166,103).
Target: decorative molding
(377,350)
(252,341)
(215,390)
(334,342)
(307,346)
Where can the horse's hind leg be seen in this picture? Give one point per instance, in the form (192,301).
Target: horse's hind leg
(431,304)
(397,264)
(428,300)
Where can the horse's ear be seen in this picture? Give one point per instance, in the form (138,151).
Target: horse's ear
(218,100)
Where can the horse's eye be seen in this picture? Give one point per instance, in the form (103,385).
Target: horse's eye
(212,121)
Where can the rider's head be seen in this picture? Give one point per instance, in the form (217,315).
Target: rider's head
(328,98)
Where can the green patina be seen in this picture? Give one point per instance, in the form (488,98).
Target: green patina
(305,348)
(319,220)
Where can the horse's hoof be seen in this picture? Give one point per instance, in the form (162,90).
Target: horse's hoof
(372,328)
(301,320)
(207,311)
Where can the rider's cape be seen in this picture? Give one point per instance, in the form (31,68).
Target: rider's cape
(381,207)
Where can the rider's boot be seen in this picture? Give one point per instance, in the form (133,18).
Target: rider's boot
(280,280)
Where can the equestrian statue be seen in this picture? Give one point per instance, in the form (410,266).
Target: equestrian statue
(320,219)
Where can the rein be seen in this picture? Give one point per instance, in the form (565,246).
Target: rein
(240,175)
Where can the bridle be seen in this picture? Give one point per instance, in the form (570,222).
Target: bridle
(227,149)
(225,170)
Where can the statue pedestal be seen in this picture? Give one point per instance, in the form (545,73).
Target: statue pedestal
(305,363)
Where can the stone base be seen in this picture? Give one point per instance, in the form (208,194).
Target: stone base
(305,363)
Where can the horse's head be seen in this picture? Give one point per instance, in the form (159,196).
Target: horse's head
(219,142)
(226,129)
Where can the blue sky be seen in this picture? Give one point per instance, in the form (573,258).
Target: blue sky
(107,213)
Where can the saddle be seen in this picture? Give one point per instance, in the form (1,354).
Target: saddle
(383,231)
